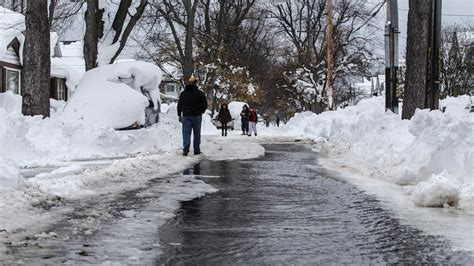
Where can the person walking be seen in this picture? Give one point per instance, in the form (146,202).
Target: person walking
(253,119)
(278,120)
(224,118)
(244,119)
(192,104)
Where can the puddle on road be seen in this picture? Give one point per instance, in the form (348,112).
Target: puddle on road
(281,210)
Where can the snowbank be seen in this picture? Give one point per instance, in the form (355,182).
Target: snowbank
(36,141)
(432,152)
(9,175)
(110,95)
(10,102)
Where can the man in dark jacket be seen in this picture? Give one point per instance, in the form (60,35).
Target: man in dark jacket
(191,105)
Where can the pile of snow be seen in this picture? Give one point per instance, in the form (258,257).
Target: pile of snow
(9,175)
(433,152)
(11,104)
(111,95)
(235,109)
(36,141)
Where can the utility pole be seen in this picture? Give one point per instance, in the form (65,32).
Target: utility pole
(330,48)
(391,57)
(433,62)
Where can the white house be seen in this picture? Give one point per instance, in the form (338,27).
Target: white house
(171,85)
(11,60)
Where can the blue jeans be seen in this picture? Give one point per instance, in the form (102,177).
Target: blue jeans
(192,123)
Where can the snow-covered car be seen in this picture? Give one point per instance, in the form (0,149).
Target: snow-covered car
(218,124)
(120,96)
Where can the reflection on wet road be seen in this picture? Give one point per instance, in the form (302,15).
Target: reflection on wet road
(280,210)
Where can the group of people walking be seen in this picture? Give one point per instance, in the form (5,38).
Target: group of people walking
(192,104)
(248,118)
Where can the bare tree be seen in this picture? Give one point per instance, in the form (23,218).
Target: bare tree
(456,77)
(416,57)
(122,25)
(37,61)
(61,12)
(179,16)
(304,24)
(94,31)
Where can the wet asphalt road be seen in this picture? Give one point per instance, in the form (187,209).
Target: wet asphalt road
(281,209)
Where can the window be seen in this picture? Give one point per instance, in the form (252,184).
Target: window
(62,90)
(13,81)
(170,88)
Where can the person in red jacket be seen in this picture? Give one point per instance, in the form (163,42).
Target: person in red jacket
(253,119)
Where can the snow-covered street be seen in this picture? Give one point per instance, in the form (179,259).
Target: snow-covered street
(236,132)
(285,195)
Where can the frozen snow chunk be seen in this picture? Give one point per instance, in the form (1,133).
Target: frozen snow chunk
(437,191)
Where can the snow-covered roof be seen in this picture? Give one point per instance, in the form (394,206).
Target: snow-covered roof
(71,49)
(11,26)
(11,20)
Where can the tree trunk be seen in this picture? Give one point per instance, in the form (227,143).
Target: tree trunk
(417,52)
(188,43)
(94,31)
(52,6)
(36,60)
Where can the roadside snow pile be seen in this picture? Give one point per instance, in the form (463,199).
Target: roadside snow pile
(9,175)
(35,141)
(110,95)
(434,151)
(10,102)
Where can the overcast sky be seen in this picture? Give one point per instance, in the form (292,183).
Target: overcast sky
(454,11)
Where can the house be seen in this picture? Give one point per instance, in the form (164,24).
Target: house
(11,59)
(11,25)
(171,85)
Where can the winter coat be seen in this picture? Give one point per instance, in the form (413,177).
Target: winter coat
(224,115)
(245,114)
(192,101)
(253,116)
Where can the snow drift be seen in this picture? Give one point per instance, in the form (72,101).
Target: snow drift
(433,152)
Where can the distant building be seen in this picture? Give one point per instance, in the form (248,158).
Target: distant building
(369,87)
(171,85)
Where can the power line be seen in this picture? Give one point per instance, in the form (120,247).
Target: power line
(444,14)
